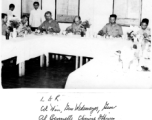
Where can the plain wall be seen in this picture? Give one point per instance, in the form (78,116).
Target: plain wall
(146,10)
(17,3)
(49,5)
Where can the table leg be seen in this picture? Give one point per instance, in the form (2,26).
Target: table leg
(76,62)
(56,57)
(53,56)
(47,60)
(87,60)
(1,76)
(81,61)
(61,57)
(21,69)
(41,60)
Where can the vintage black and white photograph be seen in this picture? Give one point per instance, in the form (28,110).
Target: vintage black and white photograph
(76,44)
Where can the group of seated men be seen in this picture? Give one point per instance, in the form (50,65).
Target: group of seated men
(51,26)
(110,29)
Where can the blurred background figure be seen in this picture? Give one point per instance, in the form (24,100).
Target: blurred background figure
(10,11)
(76,27)
(49,25)
(4,23)
(35,17)
(111,28)
(23,28)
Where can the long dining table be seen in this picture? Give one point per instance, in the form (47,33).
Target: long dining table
(107,73)
(31,46)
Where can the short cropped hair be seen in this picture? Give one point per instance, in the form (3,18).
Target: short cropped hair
(113,15)
(3,15)
(145,20)
(11,6)
(36,3)
(76,17)
(48,12)
(24,16)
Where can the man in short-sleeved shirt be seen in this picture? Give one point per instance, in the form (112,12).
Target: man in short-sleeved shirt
(144,30)
(23,26)
(4,25)
(112,28)
(49,24)
(10,12)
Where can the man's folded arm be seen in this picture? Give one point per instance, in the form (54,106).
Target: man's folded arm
(103,31)
(69,29)
(120,31)
(56,28)
(40,27)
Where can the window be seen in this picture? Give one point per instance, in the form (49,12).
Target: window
(66,10)
(128,11)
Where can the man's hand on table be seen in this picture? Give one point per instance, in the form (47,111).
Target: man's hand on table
(118,36)
(101,33)
(50,29)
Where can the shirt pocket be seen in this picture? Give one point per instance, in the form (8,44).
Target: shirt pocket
(116,30)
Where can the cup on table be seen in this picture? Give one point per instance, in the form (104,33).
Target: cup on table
(124,37)
(25,33)
(95,35)
(70,34)
(63,32)
(98,36)
(91,35)
(11,34)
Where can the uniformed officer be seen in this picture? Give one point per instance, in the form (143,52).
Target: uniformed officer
(111,28)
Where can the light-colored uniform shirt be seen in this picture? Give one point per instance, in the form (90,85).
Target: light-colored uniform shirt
(10,15)
(21,29)
(53,24)
(36,18)
(142,32)
(112,30)
(4,28)
(76,29)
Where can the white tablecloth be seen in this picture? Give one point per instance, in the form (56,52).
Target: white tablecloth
(93,75)
(107,74)
(23,48)
(35,45)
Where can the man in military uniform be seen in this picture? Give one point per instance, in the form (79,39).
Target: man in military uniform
(49,24)
(4,23)
(111,28)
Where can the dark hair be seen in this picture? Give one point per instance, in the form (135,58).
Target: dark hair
(36,3)
(11,6)
(48,12)
(23,16)
(113,15)
(145,20)
(3,15)
(75,18)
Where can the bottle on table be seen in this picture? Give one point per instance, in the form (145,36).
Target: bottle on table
(7,34)
(14,33)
